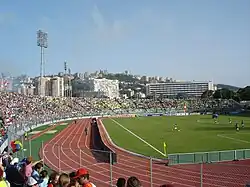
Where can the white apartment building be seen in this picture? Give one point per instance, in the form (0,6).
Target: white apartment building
(57,86)
(51,86)
(172,89)
(109,88)
(42,86)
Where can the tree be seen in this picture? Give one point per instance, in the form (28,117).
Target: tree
(236,97)
(161,96)
(223,94)
(217,94)
(207,94)
(181,96)
(244,93)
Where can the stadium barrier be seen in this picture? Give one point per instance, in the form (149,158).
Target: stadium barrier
(16,131)
(68,159)
(152,171)
(209,157)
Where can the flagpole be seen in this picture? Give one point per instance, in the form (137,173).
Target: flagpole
(165,148)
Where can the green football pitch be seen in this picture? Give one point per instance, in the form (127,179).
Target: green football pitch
(198,133)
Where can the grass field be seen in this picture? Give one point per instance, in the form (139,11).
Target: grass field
(36,143)
(198,134)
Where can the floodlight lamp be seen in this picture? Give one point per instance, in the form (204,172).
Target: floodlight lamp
(42,39)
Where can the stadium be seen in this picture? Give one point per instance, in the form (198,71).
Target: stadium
(160,142)
(125,93)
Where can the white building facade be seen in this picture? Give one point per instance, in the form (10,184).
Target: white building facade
(172,89)
(51,86)
(57,86)
(110,88)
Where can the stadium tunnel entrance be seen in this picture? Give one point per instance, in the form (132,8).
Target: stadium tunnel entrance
(99,150)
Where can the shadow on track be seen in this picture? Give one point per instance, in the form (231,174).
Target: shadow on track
(98,149)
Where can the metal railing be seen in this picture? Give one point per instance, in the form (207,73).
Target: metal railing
(152,172)
(208,157)
(192,169)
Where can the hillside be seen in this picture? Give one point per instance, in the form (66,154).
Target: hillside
(229,87)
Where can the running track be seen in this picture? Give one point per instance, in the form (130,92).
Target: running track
(73,146)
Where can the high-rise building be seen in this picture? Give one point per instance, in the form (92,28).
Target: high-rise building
(57,87)
(51,86)
(172,89)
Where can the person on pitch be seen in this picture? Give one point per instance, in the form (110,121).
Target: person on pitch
(86,131)
(175,128)
(230,121)
(237,126)
(242,124)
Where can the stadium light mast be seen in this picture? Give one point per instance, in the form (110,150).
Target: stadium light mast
(65,78)
(42,42)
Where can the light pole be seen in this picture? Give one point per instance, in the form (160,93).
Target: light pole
(65,79)
(42,42)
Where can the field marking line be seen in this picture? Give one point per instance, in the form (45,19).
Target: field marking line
(230,138)
(35,136)
(144,141)
(43,132)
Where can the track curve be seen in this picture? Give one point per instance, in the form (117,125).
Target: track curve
(70,149)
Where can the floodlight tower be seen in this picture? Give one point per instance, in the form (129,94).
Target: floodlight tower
(65,78)
(42,42)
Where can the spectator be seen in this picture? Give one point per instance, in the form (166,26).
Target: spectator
(72,175)
(31,182)
(44,176)
(133,182)
(64,180)
(82,176)
(3,182)
(28,166)
(14,161)
(53,179)
(36,173)
(121,182)
(73,181)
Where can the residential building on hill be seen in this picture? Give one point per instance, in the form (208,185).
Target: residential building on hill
(173,89)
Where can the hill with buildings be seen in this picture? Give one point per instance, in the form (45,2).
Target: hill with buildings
(122,84)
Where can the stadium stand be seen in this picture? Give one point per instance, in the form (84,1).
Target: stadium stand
(26,110)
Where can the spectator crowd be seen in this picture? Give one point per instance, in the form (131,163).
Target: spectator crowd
(20,110)
(15,173)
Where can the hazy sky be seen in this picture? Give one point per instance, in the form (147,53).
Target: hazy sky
(183,39)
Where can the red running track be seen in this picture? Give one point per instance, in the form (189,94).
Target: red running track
(69,150)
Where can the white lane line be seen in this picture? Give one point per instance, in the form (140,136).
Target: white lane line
(144,141)
(230,138)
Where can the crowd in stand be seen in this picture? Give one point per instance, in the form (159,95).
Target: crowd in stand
(24,109)
(17,109)
(15,173)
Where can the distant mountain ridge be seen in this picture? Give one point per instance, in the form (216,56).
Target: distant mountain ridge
(229,87)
